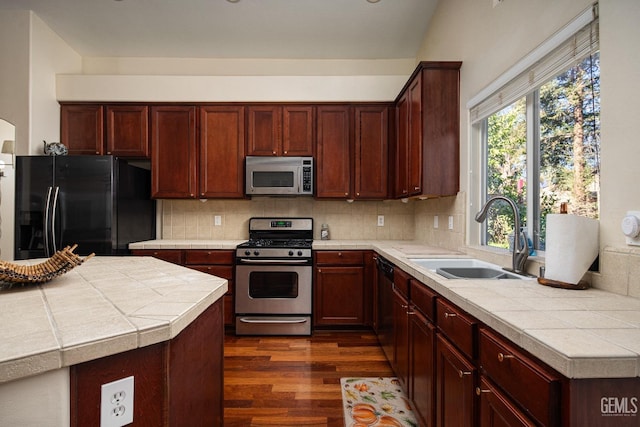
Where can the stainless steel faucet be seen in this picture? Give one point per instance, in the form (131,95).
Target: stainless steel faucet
(520,247)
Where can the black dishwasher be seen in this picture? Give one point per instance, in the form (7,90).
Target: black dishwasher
(385,306)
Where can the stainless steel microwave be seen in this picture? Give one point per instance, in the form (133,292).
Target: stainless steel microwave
(279,176)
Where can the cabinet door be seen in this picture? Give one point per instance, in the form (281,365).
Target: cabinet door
(333,167)
(422,339)
(128,130)
(298,127)
(454,386)
(174,256)
(221,152)
(339,296)
(82,128)
(400,363)
(264,130)
(173,150)
(496,410)
(371,152)
(401,163)
(414,166)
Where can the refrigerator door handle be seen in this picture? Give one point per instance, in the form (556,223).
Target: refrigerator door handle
(47,210)
(53,221)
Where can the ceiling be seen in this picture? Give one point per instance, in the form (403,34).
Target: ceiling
(291,29)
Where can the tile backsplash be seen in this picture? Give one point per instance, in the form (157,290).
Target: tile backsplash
(413,220)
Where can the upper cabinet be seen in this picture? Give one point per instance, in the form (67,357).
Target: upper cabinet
(119,130)
(427,143)
(173,149)
(82,128)
(221,157)
(352,151)
(280,130)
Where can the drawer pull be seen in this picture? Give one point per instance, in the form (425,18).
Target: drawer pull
(479,391)
(502,356)
(462,373)
(404,306)
(447,315)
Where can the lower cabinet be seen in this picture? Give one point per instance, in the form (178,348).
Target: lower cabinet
(339,288)
(497,410)
(220,263)
(455,386)
(422,343)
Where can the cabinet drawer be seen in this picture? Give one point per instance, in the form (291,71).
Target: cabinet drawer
(169,255)
(340,257)
(458,326)
(424,299)
(208,257)
(401,282)
(527,381)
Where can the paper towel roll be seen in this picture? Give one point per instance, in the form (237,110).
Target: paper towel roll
(571,247)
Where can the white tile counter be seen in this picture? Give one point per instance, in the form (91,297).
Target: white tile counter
(105,306)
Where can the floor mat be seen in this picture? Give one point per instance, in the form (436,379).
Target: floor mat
(375,402)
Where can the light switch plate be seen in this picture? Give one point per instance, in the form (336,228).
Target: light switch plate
(450,222)
(116,403)
(217,220)
(435,221)
(380,220)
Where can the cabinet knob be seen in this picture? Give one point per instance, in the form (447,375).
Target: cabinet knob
(502,356)
(479,391)
(416,188)
(462,373)
(97,152)
(357,194)
(273,152)
(339,254)
(346,194)
(447,315)
(286,152)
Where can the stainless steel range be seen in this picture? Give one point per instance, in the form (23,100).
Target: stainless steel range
(274,277)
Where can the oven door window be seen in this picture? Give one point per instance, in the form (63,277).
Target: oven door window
(273,284)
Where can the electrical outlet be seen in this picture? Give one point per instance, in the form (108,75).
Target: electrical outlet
(450,222)
(217,220)
(380,220)
(116,403)
(435,221)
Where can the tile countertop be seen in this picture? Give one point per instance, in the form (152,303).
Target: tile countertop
(581,333)
(105,306)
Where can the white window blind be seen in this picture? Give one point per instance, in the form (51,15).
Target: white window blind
(562,51)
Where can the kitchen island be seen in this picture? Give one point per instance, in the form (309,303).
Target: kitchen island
(110,318)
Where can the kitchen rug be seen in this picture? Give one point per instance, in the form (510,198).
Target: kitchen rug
(375,402)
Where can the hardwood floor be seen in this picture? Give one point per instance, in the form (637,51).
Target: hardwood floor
(295,381)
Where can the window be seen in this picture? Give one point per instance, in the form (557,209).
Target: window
(540,139)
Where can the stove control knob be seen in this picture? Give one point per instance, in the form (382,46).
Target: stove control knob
(290,253)
(256,253)
(247,252)
(299,253)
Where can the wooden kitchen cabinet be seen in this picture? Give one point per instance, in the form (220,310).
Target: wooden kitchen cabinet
(339,297)
(422,346)
(95,129)
(220,263)
(333,161)
(533,386)
(455,386)
(497,410)
(173,152)
(221,156)
(280,130)
(371,152)
(175,256)
(82,128)
(427,143)
(401,310)
(127,130)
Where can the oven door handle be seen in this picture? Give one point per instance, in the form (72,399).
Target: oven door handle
(274,261)
(267,321)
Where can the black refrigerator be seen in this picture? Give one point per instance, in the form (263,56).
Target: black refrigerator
(100,203)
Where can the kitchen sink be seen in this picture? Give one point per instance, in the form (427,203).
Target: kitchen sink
(476,273)
(465,268)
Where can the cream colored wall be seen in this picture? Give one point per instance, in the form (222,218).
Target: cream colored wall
(490,40)
(41,400)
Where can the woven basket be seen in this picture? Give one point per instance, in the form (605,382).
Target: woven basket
(61,262)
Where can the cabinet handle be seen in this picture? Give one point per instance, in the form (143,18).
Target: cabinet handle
(447,315)
(410,312)
(479,391)
(462,373)
(502,356)
(405,306)
(416,188)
